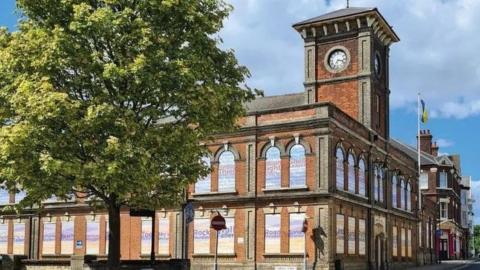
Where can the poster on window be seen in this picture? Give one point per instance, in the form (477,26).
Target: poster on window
(297,166)
(361,178)
(351,235)
(164,236)
(340,230)
(19,238)
(272,233)
(295,234)
(402,242)
(272,168)
(201,236)
(351,174)
(67,237)
(3,238)
(225,237)
(394,241)
(226,172)
(409,245)
(93,237)
(4,196)
(203,184)
(48,244)
(146,242)
(361,237)
(107,230)
(339,170)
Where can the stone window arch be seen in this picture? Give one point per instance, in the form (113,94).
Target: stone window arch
(203,184)
(297,166)
(409,197)
(402,193)
(226,171)
(394,190)
(340,168)
(273,168)
(362,176)
(351,179)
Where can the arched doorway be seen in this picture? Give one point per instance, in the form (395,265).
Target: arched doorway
(380,252)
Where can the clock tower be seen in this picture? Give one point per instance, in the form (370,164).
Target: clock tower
(347,63)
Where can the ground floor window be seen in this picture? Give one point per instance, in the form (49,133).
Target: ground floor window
(402,242)
(93,237)
(361,237)
(201,236)
(226,237)
(351,235)
(394,241)
(272,233)
(340,230)
(146,236)
(295,233)
(164,235)
(409,245)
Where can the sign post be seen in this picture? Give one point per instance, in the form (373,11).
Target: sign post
(218,224)
(304,230)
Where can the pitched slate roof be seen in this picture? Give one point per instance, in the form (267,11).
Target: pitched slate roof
(276,102)
(426,159)
(345,12)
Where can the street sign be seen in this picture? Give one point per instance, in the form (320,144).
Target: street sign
(189,212)
(142,213)
(218,223)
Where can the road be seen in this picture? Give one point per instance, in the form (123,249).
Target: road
(452,265)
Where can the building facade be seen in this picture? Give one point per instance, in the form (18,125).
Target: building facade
(323,155)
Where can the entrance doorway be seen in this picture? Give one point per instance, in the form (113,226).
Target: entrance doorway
(443,249)
(380,252)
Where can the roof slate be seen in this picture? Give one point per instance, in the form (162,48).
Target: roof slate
(276,102)
(336,14)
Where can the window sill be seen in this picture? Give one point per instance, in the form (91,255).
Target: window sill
(214,193)
(276,255)
(203,255)
(285,189)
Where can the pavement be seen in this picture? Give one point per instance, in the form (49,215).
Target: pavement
(452,265)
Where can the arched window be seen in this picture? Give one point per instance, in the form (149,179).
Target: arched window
(226,172)
(351,173)
(340,179)
(4,195)
(361,178)
(203,184)
(379,174)
(409,197)
(297,166)
(394,191)
(402,193)
(272,168)
(381,180)
(376,182)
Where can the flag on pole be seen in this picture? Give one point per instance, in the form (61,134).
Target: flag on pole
(424,116)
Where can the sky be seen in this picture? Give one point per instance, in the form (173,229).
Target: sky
(436,56)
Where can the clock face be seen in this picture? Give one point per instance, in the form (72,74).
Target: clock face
(377,66)
(337,60)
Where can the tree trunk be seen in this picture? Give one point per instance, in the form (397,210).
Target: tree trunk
(113,236)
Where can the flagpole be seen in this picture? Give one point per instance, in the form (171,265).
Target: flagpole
(419,167)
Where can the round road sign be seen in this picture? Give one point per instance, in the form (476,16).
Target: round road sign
(218,223)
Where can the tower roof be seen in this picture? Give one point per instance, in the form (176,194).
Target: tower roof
(373,17)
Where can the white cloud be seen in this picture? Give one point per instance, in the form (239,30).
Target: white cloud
(436,55)
(444,143)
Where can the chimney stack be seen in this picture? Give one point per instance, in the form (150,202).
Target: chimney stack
(426,141)
(435,149)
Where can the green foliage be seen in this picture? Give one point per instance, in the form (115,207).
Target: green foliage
(476,238)
(113,97)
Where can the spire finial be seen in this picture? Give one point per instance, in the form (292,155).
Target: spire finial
(348,3)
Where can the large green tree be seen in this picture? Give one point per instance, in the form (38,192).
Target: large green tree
(112,98)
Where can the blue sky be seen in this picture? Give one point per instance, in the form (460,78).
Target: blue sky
(436,56)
